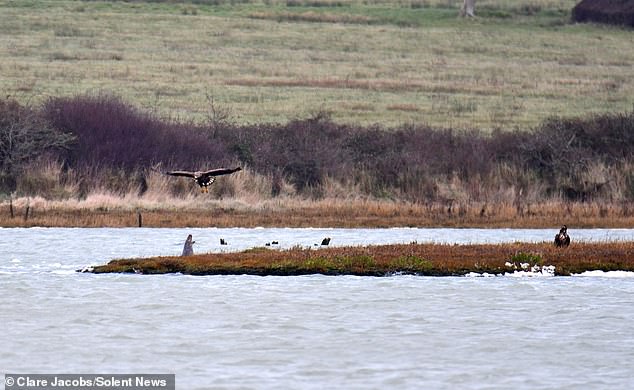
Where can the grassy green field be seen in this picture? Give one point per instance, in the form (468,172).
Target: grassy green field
(362,61)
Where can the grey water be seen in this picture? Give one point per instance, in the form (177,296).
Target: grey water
(309,332)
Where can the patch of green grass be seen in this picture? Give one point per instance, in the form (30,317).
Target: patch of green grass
(527,258)
(371,15)
(408,17)
(411,264)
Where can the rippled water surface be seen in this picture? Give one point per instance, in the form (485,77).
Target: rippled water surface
(310,331)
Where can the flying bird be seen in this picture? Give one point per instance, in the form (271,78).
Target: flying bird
(205,178)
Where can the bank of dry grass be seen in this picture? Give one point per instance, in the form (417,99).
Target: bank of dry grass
(112,211)
(421,259)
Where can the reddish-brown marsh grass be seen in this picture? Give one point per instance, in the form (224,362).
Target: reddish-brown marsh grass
(423,259)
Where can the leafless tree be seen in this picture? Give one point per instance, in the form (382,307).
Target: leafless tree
(217,115)
(25,135)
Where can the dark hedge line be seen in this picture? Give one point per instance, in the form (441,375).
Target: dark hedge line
(619,12)
(409,160)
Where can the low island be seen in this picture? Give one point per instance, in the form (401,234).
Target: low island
(386,260)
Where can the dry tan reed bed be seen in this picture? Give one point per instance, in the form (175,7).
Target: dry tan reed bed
(291,212)
(383,260)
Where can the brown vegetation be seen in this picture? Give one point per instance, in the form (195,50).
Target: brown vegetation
(120,149)
(420,259)
(113,211)
(310,172)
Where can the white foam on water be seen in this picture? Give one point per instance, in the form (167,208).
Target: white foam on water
(534,271)
(526,271)
(480,275)
(606,274)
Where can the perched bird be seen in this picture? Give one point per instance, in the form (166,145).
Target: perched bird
(204,178)
(188,248)
(562,238)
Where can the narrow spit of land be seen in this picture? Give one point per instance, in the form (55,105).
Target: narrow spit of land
(385,260)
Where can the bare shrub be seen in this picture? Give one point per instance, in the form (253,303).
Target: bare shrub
(113,133)
(24,136)
(121,150)
(563,151)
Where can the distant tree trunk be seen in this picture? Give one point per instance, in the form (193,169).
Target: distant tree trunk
(468,8)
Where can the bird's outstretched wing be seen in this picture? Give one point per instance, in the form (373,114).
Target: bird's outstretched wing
(181,173)
(220,171)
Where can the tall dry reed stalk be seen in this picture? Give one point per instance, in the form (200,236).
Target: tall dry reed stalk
(45,178)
